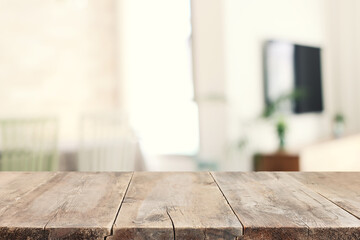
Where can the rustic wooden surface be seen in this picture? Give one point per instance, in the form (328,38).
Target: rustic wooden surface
(341,188)
(60,205)
(276,206)
(187,205)
(200,205)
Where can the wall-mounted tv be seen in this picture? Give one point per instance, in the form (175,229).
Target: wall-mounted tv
(290,68)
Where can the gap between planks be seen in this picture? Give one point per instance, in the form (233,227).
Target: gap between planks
(227,202)
(109,237)
(172,223)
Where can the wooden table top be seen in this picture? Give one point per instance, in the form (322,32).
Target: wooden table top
(174,205)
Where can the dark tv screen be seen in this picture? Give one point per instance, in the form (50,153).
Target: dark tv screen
(292,67)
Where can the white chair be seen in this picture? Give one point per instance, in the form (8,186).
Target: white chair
(107,143)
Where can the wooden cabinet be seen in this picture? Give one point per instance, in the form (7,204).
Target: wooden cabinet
(279,161)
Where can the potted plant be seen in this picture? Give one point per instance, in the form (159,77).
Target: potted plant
(281,127)
(274,111)
(338,125)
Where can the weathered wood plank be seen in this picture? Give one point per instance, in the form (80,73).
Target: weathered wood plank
(342,188)
(14,187)
(187,205)
(69,206)
(276,206)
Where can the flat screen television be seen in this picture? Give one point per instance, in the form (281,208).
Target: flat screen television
(290,68)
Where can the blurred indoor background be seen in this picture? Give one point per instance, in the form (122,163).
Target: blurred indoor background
(180,85)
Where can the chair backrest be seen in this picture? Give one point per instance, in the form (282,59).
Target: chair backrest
(107,143)
(28,144)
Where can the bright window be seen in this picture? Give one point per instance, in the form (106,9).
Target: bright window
(158,75)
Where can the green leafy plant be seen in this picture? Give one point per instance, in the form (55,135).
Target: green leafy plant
(273,111)
(273,107)
(281,127)
(338,125)
(339,118)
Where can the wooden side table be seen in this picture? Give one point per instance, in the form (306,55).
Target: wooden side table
(279,161)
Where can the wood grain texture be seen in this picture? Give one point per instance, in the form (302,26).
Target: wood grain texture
(175,206)
(66,206)
(341,188)
(276,206)
(78,205)
(14,188)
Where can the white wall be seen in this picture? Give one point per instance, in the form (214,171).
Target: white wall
(344,36)
(247,25)
(57,58)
